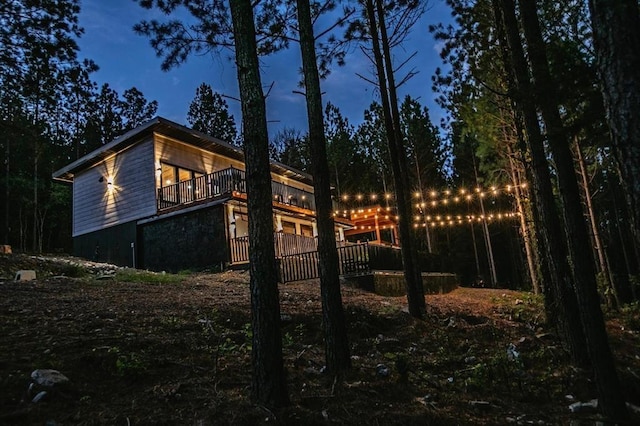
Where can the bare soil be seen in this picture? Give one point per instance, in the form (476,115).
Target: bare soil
(178,353)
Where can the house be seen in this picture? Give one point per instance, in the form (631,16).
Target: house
(166,197)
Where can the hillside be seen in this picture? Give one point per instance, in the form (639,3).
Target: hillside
(150,349)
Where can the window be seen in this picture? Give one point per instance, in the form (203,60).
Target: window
(173,174)
(306,230)
(288,227)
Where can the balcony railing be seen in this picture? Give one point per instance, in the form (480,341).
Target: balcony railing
(225,182)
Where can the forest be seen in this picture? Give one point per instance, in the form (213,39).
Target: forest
(531,183)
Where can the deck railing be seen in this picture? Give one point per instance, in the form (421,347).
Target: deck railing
(353,260)
(284,244)
(224,182)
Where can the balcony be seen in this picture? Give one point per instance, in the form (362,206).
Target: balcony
(226,182)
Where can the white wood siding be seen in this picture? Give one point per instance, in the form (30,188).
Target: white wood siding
(132,197)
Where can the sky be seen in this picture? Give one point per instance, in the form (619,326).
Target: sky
(127,60)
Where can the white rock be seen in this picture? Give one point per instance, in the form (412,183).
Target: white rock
(25,275)
(581,407)
(39,397)
(48,378)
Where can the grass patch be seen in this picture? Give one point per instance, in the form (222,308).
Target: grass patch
(135,276)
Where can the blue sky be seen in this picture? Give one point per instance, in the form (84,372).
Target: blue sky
(127,60)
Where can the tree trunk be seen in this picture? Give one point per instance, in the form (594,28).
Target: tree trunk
(412,273)
(524,227)
(616,37)
(603,264)
(7,205)
(268,385)
(555,251)
(335,330)
(612,401)
(485,234)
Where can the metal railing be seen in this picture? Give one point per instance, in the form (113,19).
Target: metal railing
(224,182)
(201,188)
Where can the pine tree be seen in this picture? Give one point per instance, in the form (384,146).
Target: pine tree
(209,113)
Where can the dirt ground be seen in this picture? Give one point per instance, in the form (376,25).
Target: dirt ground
(146,349)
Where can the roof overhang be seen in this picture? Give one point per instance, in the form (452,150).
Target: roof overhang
(168,128)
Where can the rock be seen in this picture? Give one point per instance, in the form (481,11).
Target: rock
(286,318)
(106,276)
(512,354)
(48,378)
(633,408)
(386,344)
(584,407)
(310,371)
(382,370)
(40,396)
(25,275)
(481,405)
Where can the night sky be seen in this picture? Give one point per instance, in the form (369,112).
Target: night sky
(126,59)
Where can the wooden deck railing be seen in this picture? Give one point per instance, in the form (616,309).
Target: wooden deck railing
(284,244)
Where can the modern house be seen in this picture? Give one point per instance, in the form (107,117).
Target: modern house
(166,197)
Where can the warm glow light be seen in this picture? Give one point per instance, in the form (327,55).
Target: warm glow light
(433,194)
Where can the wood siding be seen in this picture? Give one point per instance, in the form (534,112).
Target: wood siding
(174,152)
(133,195)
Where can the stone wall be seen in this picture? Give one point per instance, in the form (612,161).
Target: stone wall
(195,241)
(393,284)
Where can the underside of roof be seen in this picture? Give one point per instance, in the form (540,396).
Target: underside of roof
(168,128)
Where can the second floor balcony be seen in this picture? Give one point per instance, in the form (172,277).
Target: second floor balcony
(227,182)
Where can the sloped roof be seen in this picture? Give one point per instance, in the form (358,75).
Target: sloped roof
(169,128)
